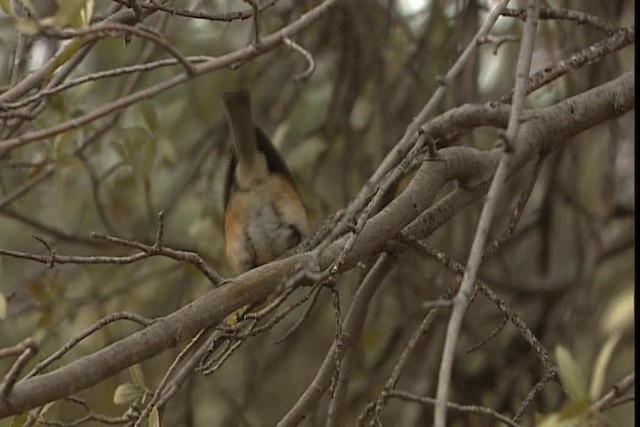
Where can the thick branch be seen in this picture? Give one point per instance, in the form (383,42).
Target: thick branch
(542,130)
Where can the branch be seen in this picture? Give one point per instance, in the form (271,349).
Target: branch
(469,409)
(412,210)
(582,18)
(461,300)
(239,56)
(618,390)
(196,14)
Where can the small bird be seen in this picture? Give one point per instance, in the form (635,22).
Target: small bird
(263,212)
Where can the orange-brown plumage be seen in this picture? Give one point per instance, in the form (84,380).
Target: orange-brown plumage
(264,214)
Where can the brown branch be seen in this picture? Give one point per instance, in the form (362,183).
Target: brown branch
(590,54)
(618,390)
(28,348)
(311,64)
(413,210)
(117,29)
(146,251)
(461,300)
(196,14)
(387,390)
(123,315)
(242,55)
(469,409)
(36,78)
(582,18)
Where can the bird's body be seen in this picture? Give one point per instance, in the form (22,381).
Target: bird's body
(264,214)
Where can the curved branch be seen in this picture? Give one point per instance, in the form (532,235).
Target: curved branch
(239,56)
(543,130)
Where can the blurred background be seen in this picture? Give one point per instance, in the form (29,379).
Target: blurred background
(568,271)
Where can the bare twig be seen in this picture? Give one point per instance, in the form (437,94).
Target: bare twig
(267,43)
(256,21)
(165,380)
(518,210)
(196,14)
(540,385)
(469,409)
(29,348)
(352,328)
(588,55)
(618,390)
(402,360)
(114,317)
(412,132)
(461,300)
(117,29)
(582,18)
(311,67)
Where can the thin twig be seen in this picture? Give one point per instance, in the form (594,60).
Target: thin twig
(461,300)
(618,390)
(114,317)
(582,18)
(352,329)
(256,21)
(518,210)
(412,132)
(402,361)
(540,385)
(267,43)
(588,55)
(30,349)
(116,29)
(311,63)
(196,14)
(469,409)
(165,379)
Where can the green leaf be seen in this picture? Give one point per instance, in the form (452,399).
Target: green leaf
(619,314)
(46,408)
(66,12)
(167,151)
(127,393)
(154,417)
(3,306)
(67,52)
(19,420)
(136,374)
(149,114)
(571,415)
(140,151)
(82,19)
(571,375)
(6,7)
(27,26)
(600,367)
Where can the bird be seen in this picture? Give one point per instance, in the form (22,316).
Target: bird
(264,215)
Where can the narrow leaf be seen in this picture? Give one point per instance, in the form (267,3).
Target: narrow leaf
(600,367)
(3,306)
(20,420)
(137,376)
(571,375)
(154,417)
(6,7)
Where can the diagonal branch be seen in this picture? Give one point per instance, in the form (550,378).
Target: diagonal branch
(544,129)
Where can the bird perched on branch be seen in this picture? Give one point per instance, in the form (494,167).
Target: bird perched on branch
(263,213)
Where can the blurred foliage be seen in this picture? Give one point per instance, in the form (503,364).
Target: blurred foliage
(568,272)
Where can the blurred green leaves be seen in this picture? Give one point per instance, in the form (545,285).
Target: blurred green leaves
(572,377)
(128,393)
